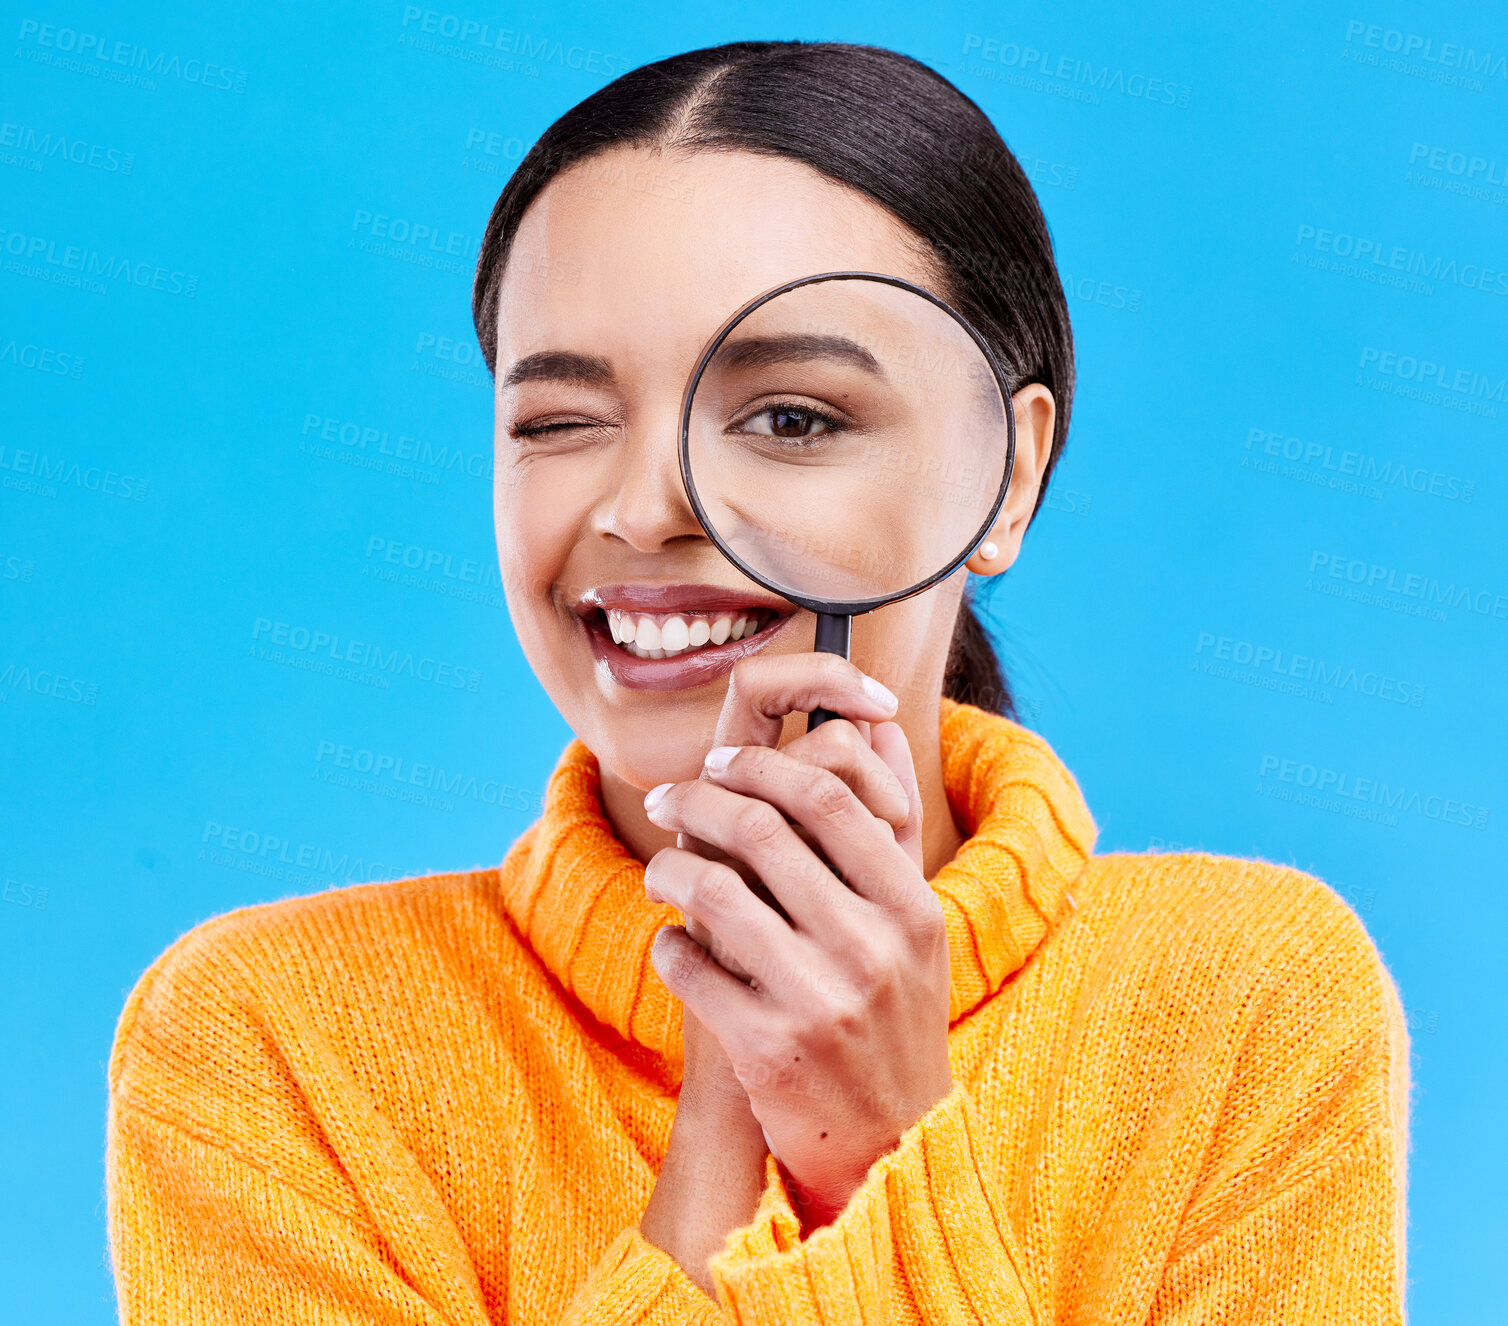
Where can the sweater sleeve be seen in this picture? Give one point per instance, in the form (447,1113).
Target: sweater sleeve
(637,1284)
(1295,1210)
(1322,1251)
(1299,1210)
(923,1239)
(250,1180)
(199,1234)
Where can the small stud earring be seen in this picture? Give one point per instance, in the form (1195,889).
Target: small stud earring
(988,551)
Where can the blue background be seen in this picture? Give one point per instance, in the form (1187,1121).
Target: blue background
(1201,550)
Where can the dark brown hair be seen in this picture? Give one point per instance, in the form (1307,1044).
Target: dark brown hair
(878,122)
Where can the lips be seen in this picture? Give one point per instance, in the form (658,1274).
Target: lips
(677,636)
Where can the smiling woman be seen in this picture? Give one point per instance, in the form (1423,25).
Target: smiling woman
(760,1023)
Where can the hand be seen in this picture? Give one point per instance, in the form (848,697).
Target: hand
(833,1007)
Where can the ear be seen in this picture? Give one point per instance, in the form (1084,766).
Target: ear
(1036,412)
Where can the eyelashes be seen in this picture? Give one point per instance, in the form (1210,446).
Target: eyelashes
(543,430)
(791,421)
(785,420)
(547,429)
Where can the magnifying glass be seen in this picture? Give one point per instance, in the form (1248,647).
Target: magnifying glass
(847,440)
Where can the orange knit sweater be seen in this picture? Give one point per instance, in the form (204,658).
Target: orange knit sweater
(1181,1091)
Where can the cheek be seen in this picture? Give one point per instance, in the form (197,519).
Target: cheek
(537,525)
(905,645)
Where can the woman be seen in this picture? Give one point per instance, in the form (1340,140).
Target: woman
(988,1076)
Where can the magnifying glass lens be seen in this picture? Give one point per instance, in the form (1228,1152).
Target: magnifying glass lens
(846,441)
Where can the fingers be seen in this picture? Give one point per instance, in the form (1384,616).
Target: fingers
(890,745)
(715,997)
(764,688)
(723,916)
(754,832)
(861,847)
(841,749)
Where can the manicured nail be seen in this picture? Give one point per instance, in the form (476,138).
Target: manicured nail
(719,757)
(881,695)
(654,796)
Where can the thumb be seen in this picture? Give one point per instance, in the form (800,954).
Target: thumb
(890,744)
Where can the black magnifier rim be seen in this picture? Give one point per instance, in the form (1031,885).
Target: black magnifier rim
(845,607)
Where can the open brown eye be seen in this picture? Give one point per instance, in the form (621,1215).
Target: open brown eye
(788,421)
(793,423)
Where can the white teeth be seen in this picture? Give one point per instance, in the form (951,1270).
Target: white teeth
(645,637)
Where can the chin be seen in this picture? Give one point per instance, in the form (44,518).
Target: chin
(645,760)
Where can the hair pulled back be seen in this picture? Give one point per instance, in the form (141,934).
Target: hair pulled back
(876,121)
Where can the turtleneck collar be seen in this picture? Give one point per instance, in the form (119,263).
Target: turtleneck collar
(577,894)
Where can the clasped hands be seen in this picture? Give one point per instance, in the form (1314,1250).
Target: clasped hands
(813,966)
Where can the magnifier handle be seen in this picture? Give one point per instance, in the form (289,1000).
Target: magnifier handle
(833,631)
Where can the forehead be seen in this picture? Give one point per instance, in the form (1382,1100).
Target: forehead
(639,255)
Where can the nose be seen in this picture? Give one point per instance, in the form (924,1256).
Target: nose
(646,507)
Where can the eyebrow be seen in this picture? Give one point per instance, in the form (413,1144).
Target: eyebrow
(795,348)
(560,366)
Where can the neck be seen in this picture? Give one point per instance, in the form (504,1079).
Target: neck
(623,803)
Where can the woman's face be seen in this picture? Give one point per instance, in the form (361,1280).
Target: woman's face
(622,269)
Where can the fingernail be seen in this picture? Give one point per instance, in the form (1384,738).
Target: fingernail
(654,796)
(719,757)
(881,695)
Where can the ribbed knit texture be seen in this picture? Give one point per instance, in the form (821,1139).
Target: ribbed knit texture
(1181,1096)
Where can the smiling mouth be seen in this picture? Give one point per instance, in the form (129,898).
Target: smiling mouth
(670,634)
